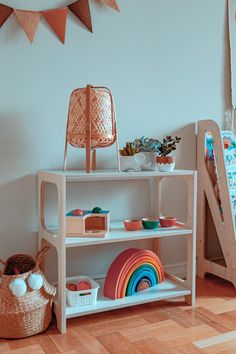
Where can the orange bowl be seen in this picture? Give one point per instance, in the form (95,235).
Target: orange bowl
(133,225)
(167,221)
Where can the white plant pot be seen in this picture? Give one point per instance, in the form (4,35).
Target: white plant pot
(166,167)
(166,164)
(130,163)
(148,160)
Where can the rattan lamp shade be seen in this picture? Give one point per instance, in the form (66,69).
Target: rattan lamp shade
(91,122)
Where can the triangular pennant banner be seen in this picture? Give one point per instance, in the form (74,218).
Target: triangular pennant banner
(29,22)
(57,21)
(111,3)
(81,10)
(5,12)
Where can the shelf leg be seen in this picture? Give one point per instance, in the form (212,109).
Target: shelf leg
(191,270)
(61,306)
(61,255)
(191,241)
(155,195)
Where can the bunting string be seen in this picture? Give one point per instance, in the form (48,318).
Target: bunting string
(56,18)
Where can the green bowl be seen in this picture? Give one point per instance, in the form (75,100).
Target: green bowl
(150,223)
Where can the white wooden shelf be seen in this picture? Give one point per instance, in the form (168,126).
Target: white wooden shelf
(119,234)
(166,290)
(170,288)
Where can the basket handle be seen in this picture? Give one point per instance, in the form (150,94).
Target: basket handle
(4,263)
(40,255)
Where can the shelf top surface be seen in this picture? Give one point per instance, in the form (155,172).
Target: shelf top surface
(113,174)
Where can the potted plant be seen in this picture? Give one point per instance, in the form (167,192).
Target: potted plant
(166,163)
(129,161)
(149,147)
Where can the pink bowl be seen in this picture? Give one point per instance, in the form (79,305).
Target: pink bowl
(133,225)
(167,221)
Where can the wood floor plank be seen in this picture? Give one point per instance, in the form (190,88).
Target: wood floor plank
(222,347)
(215,340)
(89,343)
(65,342)
(188,349)
(114,325)
(153,346)
(151,330)
(184,319)
(45,342)
(220,322)
(117,344)
(31,349)
(181,338)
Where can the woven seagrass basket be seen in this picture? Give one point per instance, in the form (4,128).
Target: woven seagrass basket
(30,314)
(91,122)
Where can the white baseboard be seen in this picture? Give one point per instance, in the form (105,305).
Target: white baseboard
(178,269)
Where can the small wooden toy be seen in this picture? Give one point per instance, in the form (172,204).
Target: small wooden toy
(83,285)
(167,221)
(71,287)
(150,223)
(133,225)
(77,212)
(87,223)
(97,210)
(133,270)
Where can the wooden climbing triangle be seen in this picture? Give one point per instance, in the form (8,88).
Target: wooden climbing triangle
(216,242)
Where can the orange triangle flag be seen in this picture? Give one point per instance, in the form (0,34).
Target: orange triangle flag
(81,10)
(29,21)
(57,21)
(5,12)
(111,3)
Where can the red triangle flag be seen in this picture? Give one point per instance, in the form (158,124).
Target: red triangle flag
(5,12)
(81,10)
(111,3)
(57,21)
(29,21)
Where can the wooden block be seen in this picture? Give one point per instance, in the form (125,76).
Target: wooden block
(88,225)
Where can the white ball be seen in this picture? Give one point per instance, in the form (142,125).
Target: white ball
(35,281)
(18,287)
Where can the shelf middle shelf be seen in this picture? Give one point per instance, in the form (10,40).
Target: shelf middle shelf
(118,234)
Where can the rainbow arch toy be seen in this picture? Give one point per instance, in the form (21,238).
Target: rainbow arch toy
(133,270)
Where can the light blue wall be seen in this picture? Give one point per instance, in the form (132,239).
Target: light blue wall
(166,62)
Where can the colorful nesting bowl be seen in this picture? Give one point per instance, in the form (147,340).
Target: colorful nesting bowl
(133,225)
(150,223)
(167,221)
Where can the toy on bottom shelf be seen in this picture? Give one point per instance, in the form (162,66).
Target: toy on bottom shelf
(88,223)
(133,270)
(83,292)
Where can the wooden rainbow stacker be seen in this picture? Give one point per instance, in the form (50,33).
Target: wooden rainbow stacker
(88,224)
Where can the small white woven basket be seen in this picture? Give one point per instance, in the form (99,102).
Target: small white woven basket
(82,297)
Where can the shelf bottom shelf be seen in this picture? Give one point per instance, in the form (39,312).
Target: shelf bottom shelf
(166,290)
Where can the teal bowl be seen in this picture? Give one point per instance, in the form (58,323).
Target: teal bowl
(150,223)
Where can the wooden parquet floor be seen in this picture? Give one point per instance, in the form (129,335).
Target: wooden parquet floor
(161,328)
